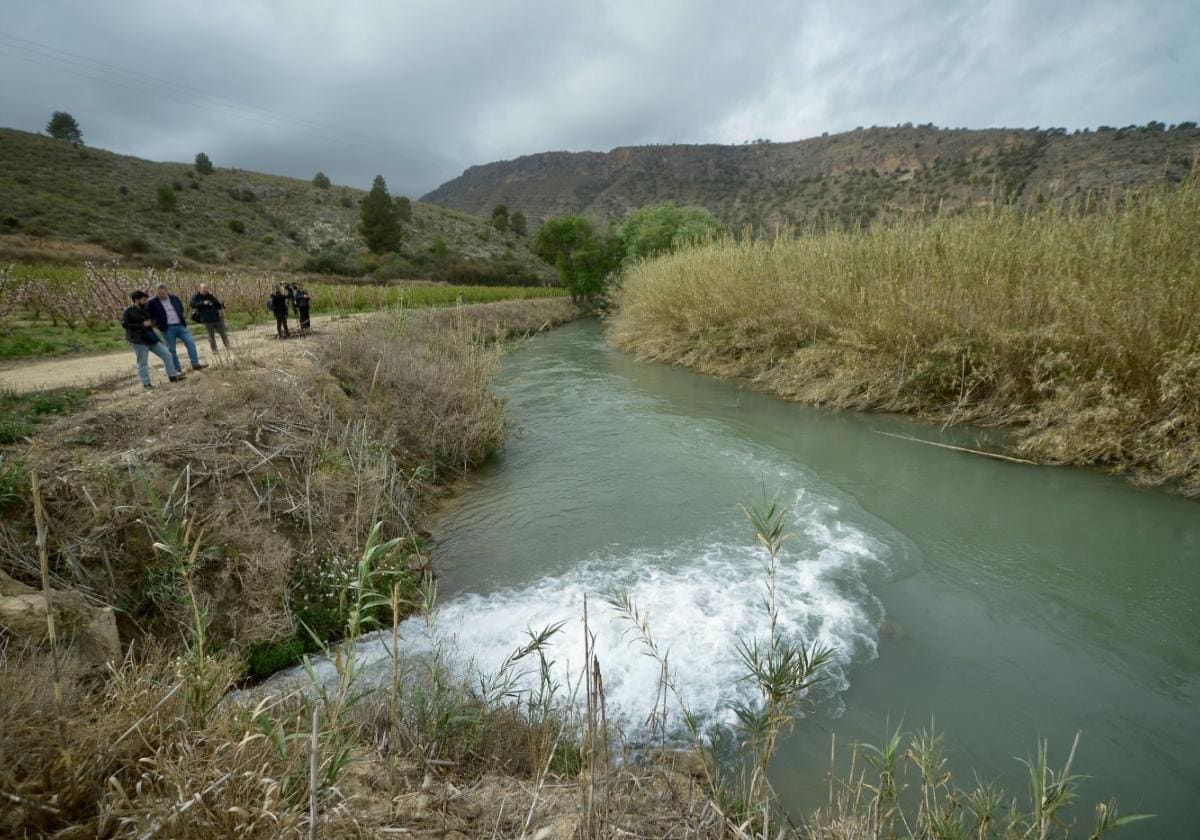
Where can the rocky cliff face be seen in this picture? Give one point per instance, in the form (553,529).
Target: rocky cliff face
(844,178)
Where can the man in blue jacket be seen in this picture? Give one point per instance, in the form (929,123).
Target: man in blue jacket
(167,312)
(139,332)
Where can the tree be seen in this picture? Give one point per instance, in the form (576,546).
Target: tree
(500,218)
(583,259)
(379,226)
(664,227)
(516,223)
(62,126)
(321,181)
(203,164)
(403,208)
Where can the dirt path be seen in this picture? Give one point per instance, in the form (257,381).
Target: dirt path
(87,370)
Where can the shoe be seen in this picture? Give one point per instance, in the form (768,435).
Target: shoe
(175,378)
(148,387)
(200,366)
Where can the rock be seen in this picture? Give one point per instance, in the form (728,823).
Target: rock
(563,828)
(91,632)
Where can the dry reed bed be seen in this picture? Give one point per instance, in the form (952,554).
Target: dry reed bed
(194,511)
(1078,328)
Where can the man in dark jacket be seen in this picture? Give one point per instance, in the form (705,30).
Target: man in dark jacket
(167,311)
(278,304)
(301,299)
(139,332)
(207,310)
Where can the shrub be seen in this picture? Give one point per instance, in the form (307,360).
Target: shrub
(203,165)
(237,226)
(135,245)
(321,181)
(347,200)
(164,198)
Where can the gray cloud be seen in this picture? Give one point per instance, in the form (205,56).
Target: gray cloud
(418,90)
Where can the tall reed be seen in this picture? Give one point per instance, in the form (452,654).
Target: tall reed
(1075,322)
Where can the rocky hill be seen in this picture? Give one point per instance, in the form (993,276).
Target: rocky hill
(77,200)
(842,178)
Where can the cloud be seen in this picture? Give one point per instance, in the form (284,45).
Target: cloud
(419,90)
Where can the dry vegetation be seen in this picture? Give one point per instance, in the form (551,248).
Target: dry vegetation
(1076,327)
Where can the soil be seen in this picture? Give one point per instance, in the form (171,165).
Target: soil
(102,368)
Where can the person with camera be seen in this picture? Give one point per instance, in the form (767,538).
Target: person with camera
(278,304)
(207,309)
(301,300)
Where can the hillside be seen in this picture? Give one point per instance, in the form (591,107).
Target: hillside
(86,201)
(862,174)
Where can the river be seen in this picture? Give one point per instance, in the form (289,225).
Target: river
(1004,602)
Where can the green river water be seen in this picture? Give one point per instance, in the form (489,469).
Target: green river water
(1004,602)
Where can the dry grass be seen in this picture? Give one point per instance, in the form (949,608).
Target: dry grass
(284,467)
(1077,327)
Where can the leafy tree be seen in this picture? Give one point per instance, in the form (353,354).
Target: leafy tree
(62,126)
(403,208)
(203,165)
(321,181)
(379,225)
(583,258)
(517,224)
(500,217)
(664,227)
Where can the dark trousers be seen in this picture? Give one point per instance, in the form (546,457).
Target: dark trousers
(303,313)
(281,326)
(214,328)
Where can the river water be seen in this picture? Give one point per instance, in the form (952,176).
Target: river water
(1004,602)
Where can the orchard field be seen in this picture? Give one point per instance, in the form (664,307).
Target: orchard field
(56,310)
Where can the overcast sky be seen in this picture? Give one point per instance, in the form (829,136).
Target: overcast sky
(420,89)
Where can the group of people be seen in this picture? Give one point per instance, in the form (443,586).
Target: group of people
(278,302)
(156,324)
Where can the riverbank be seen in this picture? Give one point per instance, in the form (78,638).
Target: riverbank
(1074,329)
(215,529)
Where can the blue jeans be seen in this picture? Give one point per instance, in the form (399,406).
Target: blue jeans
(181,332)
(143,351)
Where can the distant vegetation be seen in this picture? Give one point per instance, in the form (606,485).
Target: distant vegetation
(66,203)
(1077,327)
(587,260)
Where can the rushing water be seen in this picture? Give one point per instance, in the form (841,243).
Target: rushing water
(1004,602)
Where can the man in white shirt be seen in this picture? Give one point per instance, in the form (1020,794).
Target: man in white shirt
(167,312)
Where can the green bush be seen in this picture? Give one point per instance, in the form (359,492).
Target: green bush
(265,658)
(321,181)
(165,199)
(237,226)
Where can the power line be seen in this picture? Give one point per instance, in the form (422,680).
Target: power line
(144,84)
(95,65)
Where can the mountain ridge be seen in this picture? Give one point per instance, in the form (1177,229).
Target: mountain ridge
(858,175)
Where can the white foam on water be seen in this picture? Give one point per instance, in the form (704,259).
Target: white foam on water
(699,599)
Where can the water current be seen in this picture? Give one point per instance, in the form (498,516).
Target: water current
(1003,602)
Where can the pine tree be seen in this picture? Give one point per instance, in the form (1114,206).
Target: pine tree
(62,126)
(203,165)
(380,228)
